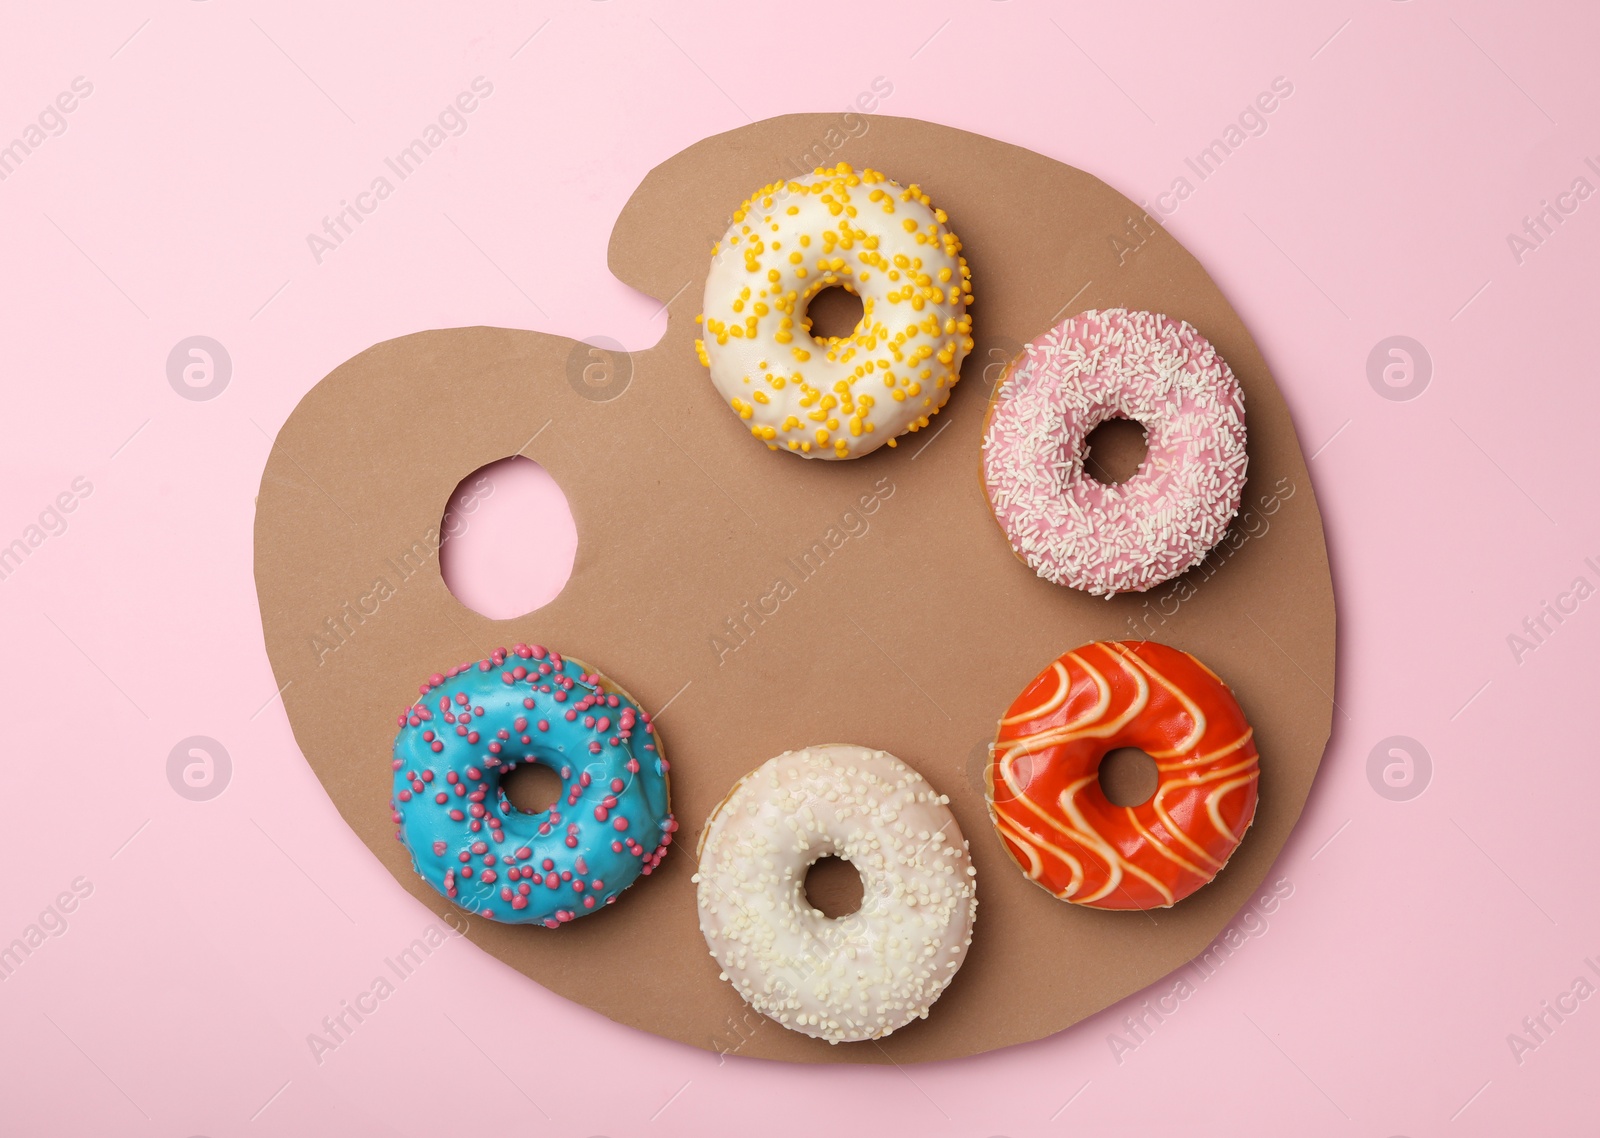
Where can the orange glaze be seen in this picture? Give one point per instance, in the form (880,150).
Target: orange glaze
(1044,786)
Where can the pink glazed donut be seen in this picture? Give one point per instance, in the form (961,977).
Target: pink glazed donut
(1115,364)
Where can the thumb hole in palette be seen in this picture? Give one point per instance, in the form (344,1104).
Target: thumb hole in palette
(508,540)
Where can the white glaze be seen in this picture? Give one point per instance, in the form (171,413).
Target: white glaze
(850,978)
(847,396)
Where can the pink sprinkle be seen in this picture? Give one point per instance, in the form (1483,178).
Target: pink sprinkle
(588,902)
(572,842)
(456,815)
(437,746)
(621,823)
(604,724)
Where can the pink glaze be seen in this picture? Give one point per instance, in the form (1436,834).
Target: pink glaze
(1116,364)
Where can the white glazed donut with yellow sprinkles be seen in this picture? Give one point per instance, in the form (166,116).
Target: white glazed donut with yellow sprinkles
(843,396)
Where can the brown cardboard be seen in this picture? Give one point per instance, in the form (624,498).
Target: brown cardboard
(914,631)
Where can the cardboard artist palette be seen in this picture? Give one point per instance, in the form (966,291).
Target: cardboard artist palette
(778,602)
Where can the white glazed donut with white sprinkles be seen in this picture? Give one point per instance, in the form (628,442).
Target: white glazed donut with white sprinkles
(1109,364)
(843,396)
(849,978)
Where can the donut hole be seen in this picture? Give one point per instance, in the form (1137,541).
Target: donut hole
(833,886)
(531,787)
(1114,451)
(1128,777)
(506,541)
(833,313)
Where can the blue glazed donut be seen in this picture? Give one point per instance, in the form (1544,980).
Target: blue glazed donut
(610,825)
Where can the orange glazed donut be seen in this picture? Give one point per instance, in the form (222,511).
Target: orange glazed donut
(1044,785)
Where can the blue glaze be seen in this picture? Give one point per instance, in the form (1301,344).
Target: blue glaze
(548,868)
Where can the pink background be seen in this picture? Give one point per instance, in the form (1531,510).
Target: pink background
(1419,933)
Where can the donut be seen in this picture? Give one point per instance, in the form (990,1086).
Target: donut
(1043,778)
(1115,364)
(478,721)
(849,978)
(844,396)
